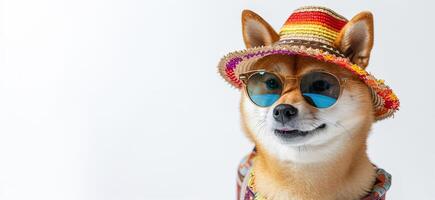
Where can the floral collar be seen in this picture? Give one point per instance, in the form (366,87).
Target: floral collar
(246,182)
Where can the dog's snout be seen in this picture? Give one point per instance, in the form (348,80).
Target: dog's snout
(284,112)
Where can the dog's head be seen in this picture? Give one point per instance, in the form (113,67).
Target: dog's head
(292,129)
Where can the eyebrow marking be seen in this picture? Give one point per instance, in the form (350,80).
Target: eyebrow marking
(277,68)
(282,67)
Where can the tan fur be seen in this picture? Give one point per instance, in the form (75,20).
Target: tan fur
(349,174)
(358,50)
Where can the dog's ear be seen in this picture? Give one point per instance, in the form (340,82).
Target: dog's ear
(356,39)
(256,31)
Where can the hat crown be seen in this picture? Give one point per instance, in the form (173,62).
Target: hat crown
(312,24)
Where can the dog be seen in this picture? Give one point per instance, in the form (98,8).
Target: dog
(306,150)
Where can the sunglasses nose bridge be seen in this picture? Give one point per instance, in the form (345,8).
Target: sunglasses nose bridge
(289,85)
(291,95)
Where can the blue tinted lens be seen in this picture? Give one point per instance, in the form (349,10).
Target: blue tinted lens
(318,100)
(264,88)
(320,89)
(265,100)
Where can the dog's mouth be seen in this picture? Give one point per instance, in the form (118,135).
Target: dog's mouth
(289,134)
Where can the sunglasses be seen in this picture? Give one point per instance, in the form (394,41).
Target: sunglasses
(320,89)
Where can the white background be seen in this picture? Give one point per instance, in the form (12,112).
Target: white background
(121,100)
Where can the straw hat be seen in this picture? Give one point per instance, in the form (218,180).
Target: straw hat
(312,32)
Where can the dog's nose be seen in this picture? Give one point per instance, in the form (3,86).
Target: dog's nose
(284,112)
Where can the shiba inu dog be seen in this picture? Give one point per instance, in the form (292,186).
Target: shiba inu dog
(308,104)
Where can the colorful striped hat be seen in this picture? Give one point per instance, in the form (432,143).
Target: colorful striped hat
(311,31)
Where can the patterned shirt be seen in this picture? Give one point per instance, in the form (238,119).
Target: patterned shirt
(246,191)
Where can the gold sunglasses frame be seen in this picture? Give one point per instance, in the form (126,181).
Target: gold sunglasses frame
(244,77)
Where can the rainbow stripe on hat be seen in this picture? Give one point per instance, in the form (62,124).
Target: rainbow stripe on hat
(313,24)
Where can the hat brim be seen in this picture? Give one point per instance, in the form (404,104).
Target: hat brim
(385,102)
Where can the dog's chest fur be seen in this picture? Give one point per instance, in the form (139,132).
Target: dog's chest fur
(308,182)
